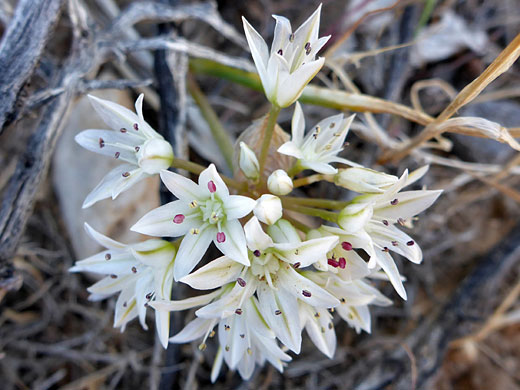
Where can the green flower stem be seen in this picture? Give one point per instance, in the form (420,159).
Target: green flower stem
(197,169)
(297,224)
(220,134)
(314,202)
(312,179)
(268,135)
(323,214)
(320,96)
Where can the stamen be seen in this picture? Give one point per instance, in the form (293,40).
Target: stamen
(322,329)
(123,130)
(385,222)
(221,237)
(394,243)
(346,245)
(277,312)
(149,295)
(257,253)
(317,315)
(179,218)
(296,265)
(410,243)
(385,249)
(117,155)
(227,327)
(212,334)
(241,282)
(306,294)
(227,348)
(193,204)
(242,336)
(296,252)
(238,311)
(136,127)
(333,263)
(113,276)
(108,256)
(202,347)
(101,143)
(291,38)
(342,263)
(342,300)
(401,221)
(394,202)
(249,351)
(137,148)
(211,186)
(194,231)
(308,48)
(317,132)
(280,52)
(134,270)
(332,125)
(126,174)
(331,325)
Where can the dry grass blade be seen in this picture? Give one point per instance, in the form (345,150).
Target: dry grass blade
(500,65)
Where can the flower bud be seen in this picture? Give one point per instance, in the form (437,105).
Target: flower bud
(248,162)
(364,180)
(355,216)
(155,155)
(268,209)
(279,182)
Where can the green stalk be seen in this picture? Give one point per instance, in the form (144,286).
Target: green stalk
(268,135)
(323,214)
(312,179)
(197,169)
(220,134)
(314,202)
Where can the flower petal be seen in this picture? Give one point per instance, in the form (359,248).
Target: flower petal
(193,331)
(234,245)
(191,250)
(255,236)
(115,116)
(238,206)
(110,143)
(211,174)
(306,252)
(408,204)
(395,240)
(160,222)
(183,304)
(259,50)
(215,274)
(103,240)
(290,89)
(319,327)
(183,188)
(386,262)
(290,148)
(144,127)
(319,167)
(297,125)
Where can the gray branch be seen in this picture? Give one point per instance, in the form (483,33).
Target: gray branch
(22,46)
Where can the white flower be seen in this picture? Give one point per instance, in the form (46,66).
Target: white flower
(279,182)
(140,272)
(131,140)
(244,337)
(291,64)
(248,162)
(205,212)
(364,180)
(273,276)
(371,219)
(321,145)
(268,209)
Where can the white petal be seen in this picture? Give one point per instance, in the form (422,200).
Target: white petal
(215,274)
(126,306)
(188,303)
(217,365)
(234,246)
(258,49)
(297,125)
(255,236)
(387,263)
(238,206)
(143,287)
(191,250)
(342,160)
(354,217)
(211,174)
(144,127)
(103,240)
(290,149)
(306,252)
(282,31)
(395,240)
(308,31)
(115,116)
(409,204)
(291,89)
(286,325)
(283,231)
(302,288)
(108,143)
(319,167)
(154,253)
(109,286)
(417,174)
(181,187)
(120,263)
(160,221)
(319,327)
(194,330)
(111,184)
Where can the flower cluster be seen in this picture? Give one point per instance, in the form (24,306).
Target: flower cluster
(278,274)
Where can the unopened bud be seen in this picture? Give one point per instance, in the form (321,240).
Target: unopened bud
(268,209)
(248,162)
(364,180)
(155,155)
(279,182)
